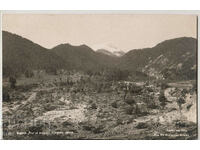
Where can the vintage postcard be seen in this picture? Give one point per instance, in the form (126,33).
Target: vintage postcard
(99,76)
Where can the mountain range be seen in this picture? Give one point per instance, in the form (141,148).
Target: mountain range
(170,59)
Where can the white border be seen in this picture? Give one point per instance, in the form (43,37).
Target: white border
(185,12)
(99,4)
(102,12)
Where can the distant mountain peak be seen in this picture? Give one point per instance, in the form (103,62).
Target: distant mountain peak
(118,53)
(106,52)
(114,53)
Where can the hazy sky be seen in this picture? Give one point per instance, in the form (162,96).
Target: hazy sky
(124,32)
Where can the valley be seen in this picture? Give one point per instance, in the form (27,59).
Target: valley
(58,110)
(74,92)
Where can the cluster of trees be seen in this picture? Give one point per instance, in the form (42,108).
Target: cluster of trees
(116,74)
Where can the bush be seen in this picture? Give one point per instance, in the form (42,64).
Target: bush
(28,73)
(99,129)
(163,100)
(142,125)
(182,124)
(150,101)
(114,105)
(66,123)
(119,122)
(151,104)
(99,87)
(35,129)
(13,82)
(136,89)
(149,89)
(141,109)
(184,92)
(164,85)
(6,96)
(130,101)
(94,106)
(129,110)
(49,107)
(88,127)
(181,101)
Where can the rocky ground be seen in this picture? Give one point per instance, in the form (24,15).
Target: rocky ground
(58,111)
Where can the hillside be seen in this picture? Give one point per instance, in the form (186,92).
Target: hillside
(171,59)
(20,55)
(83,57)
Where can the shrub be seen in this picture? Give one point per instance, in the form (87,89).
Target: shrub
(182,124)
(6,96)
(66,123)
(136,89)
(88,127)
(119,122)
(180,101)
(49,107)
(184,92)
(163,100)
(28,73)
(150,101)
(35,129)
(94,106)
(129,110)
(164,85)
(99,87)
(130,101)
(99,129)
(149,89)
(189,106)
(142,125)
(141,109)
(114,105)
(151,104)
(90,101)
(13,82)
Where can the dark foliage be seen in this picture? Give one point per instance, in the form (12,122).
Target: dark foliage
(28,73)
(6,95)
(130,101)
(180,102)
(13,82)
(93,106)
(114,105)
(129,110)
(163,100)
(35,129)
(142,125)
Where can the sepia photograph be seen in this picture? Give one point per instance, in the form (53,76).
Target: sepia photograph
(99,76)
